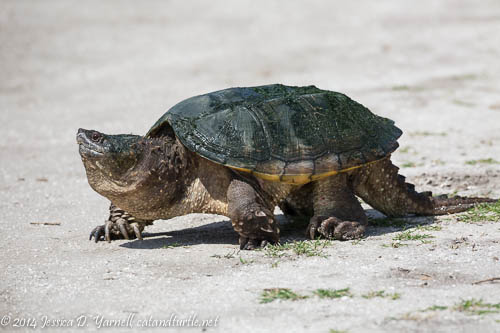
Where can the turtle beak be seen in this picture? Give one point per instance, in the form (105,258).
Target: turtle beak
(88,148)
(80,136)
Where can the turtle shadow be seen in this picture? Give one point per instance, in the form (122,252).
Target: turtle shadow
(221,232)
(379,224)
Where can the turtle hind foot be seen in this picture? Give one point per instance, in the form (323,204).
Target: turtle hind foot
(331,227)
(119,225)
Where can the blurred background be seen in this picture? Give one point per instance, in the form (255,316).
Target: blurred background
(117,66)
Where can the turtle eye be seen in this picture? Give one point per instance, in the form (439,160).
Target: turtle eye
(96,136)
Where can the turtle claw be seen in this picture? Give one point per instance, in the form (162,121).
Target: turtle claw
(123,230)
(120,225)
(334,228)
(252,244)
(137,231)
(116,230)
(107,227)
(97,233)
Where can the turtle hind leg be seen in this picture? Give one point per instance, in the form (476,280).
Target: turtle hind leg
(251,216)
(380,185)
(119,225)
(337,212)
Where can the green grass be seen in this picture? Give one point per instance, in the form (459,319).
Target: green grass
(336,331)
(173,245)
(463,103)
(470,306)
(332,293)
(438,162)
(404,149)
(482,161)
(410,235)
(404,87)
(464,77)
(228,255)
(482,212)
(400,88)
(408,165)
(435,308)
(395,245)
(272,294)
(308,248)
(432,227)
(426,133)
(245,261)
(382,294)
(476,307)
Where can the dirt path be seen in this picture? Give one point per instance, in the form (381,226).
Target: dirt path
(117,66)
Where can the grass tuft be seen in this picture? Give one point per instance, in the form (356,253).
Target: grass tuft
(410,235)
(482,212)
(382,294)
(272,294)
(482,161)
(408,165)
(435,308)
(171,246)
(228,255)
(308,248)
(477,307)
(245,261)
(426,133)
(332,293)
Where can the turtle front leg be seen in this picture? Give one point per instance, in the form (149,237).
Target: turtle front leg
(119,225)
(251,217)
(337,212)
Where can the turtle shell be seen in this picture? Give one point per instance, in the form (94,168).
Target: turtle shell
(281,133)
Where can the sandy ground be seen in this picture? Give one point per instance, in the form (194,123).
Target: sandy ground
(117,66)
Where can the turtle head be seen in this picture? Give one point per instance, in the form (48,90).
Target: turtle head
(108,158)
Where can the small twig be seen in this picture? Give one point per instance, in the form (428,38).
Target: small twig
(46,223)
(487,280)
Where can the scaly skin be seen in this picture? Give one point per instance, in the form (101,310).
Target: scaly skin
(150,179)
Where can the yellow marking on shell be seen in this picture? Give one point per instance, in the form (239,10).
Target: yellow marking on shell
(239,169)
(266,176)
(300,179)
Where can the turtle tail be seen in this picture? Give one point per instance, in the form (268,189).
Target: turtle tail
(443,205)
(380,185)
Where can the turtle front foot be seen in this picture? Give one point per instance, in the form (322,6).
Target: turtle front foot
(120,225)
(252,243)
(256,230)
(120,229)
(333,228)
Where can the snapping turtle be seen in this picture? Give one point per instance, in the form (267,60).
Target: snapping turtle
(240,152)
